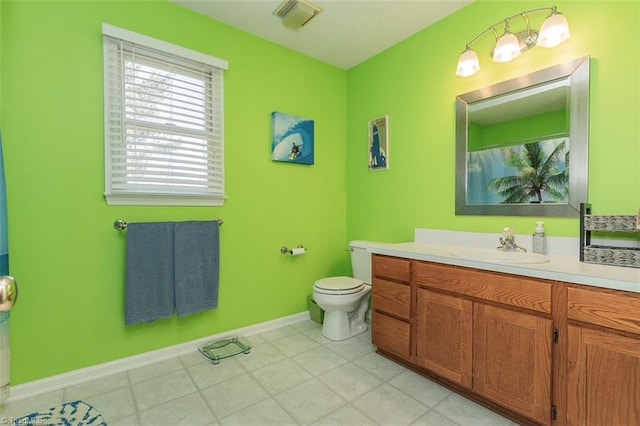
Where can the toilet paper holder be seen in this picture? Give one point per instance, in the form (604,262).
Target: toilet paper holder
(285,250)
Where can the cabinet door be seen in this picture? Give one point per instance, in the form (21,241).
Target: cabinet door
(393,268)
(603,378)
(444,340)
(512,360)
(392,298)
(391,334)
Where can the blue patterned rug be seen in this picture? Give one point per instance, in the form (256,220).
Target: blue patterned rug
(76,413)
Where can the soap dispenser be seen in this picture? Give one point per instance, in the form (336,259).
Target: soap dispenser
(538,244)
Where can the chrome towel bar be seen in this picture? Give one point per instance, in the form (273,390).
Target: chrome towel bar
(121,225)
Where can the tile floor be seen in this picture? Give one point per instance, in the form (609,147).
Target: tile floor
(293,376)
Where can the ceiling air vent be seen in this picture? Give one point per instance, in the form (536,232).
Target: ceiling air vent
(296,13)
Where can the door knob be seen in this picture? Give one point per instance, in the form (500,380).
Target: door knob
(8,293)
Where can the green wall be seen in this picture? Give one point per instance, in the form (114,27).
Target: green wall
(65,254)
(414,82)
(68,259)
(517,131)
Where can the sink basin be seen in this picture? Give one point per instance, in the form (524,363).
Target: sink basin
(497,256)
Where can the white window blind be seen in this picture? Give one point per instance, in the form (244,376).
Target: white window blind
(164,136)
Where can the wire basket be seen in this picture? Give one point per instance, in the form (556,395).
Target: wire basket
(607,255)
(610,223)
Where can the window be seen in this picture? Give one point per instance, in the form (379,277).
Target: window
(164,136)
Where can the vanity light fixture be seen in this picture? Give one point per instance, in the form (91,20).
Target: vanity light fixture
(554,30)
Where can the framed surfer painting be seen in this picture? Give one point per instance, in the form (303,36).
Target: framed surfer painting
(379,143)
(293,139)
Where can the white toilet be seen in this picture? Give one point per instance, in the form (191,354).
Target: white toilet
(345,300)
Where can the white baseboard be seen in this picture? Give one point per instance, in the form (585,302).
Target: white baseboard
(60,381)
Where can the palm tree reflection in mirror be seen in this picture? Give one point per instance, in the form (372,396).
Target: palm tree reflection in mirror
(543,177)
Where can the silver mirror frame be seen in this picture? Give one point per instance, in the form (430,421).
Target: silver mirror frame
(577,71)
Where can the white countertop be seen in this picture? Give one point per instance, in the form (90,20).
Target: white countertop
(559,268)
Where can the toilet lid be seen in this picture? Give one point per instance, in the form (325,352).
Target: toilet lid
(338,284)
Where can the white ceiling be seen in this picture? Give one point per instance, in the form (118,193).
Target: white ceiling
(344,34)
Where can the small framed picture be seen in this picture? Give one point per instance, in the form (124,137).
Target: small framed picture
(379,143)
(293,139)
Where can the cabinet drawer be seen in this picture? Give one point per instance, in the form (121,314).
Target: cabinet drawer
(391,267)
(391,334)
(391,297)
(522,292)
(614,309)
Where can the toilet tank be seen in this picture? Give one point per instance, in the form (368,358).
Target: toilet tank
(361,260)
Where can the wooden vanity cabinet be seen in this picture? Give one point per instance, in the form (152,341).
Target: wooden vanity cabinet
(539,351)
(391,305)
(488,332)
(604,357)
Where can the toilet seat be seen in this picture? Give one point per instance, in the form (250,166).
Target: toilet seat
(338,285)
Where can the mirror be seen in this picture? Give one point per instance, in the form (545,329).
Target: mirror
(522,145)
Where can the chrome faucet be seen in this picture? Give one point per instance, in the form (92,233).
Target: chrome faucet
(508,241)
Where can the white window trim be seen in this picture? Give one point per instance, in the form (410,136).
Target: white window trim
(148,198)
(163,46)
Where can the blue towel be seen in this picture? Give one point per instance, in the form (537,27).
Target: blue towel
(197,260)
(150,270)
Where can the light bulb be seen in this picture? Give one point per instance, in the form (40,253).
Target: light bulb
(468,64)
(554,30)
(507,48)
